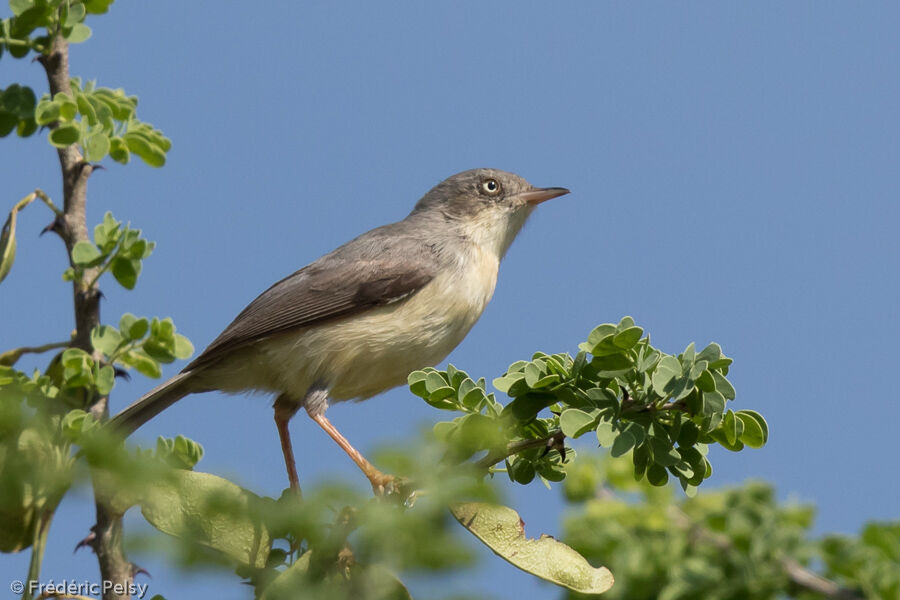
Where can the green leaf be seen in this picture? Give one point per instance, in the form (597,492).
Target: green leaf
(67,106)
(721,436)
(8,243)
(106,339)
(77,422)
(689,354)
(187,451)
(624,442)
(118,150)
(627,338)
(723,386)
(470,395)
(25,128)
(96,146)
(600,332)
(65,136)
(729,427)
(505,383)
(667,369)
(183,347)
(376,580)
(502,530)
(689,434)
(139,360)
(657,475)
(77,34)
(19,6)
(126,271)
(437,387)
(603,398)
(705,381)
(8,122)
(574,422)
(663,453)
(416,382)
(711,353)
(97,7)
(606,433)
(210,511)
(132,327)
(74,15)
(149,152)
(520,470)
(612,365)
(105,380)
(84,253)
(713,403)
(86,108)
(756,430)
(46,112)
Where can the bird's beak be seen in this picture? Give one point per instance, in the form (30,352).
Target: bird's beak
(535,196)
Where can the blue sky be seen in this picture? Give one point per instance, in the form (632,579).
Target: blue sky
(734,176)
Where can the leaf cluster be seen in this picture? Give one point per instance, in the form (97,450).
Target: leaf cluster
(17,104)
(35,459)
(665,410)
(63,16)
(734,543)
(116,249)
(101,121)
(869,562)
(141,343)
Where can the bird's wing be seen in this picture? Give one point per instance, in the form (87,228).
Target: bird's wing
(334,286)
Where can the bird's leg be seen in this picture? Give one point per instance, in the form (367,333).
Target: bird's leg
(285,408)
(316,402)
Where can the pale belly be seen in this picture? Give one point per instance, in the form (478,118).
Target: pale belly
(365,354)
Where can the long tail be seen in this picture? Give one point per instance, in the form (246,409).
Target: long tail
(151,404)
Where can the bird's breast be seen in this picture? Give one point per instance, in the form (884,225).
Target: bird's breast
(369,352)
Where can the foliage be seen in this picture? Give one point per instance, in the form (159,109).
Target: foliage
(730,544)
(665,408)
(661,411)
(101,121)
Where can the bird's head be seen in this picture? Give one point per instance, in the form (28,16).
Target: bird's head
(488,206)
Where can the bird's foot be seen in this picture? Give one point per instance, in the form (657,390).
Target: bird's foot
(397,489)
(382,484)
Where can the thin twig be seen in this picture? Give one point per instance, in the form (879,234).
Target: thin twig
(46,200)
(798,574)
(515,447)
(10,357)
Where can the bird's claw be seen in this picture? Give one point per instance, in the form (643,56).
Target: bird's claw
(382,484)
(395,488)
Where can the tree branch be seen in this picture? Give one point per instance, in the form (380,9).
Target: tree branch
(71,226)
(10,357)
(553,440)
(799,575)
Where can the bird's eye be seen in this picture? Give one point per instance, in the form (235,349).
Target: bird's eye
(491,187)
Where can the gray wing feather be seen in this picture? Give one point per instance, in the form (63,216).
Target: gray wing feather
(377,268)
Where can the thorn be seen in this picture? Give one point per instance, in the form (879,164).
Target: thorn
(54,227)
(136,570)
(96,166)
(557,442)
(87,542)
(120,372)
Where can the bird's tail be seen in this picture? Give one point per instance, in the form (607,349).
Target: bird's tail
(151,404)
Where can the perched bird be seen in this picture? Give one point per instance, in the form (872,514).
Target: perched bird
(357,321)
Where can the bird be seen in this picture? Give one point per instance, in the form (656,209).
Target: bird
(358,320)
